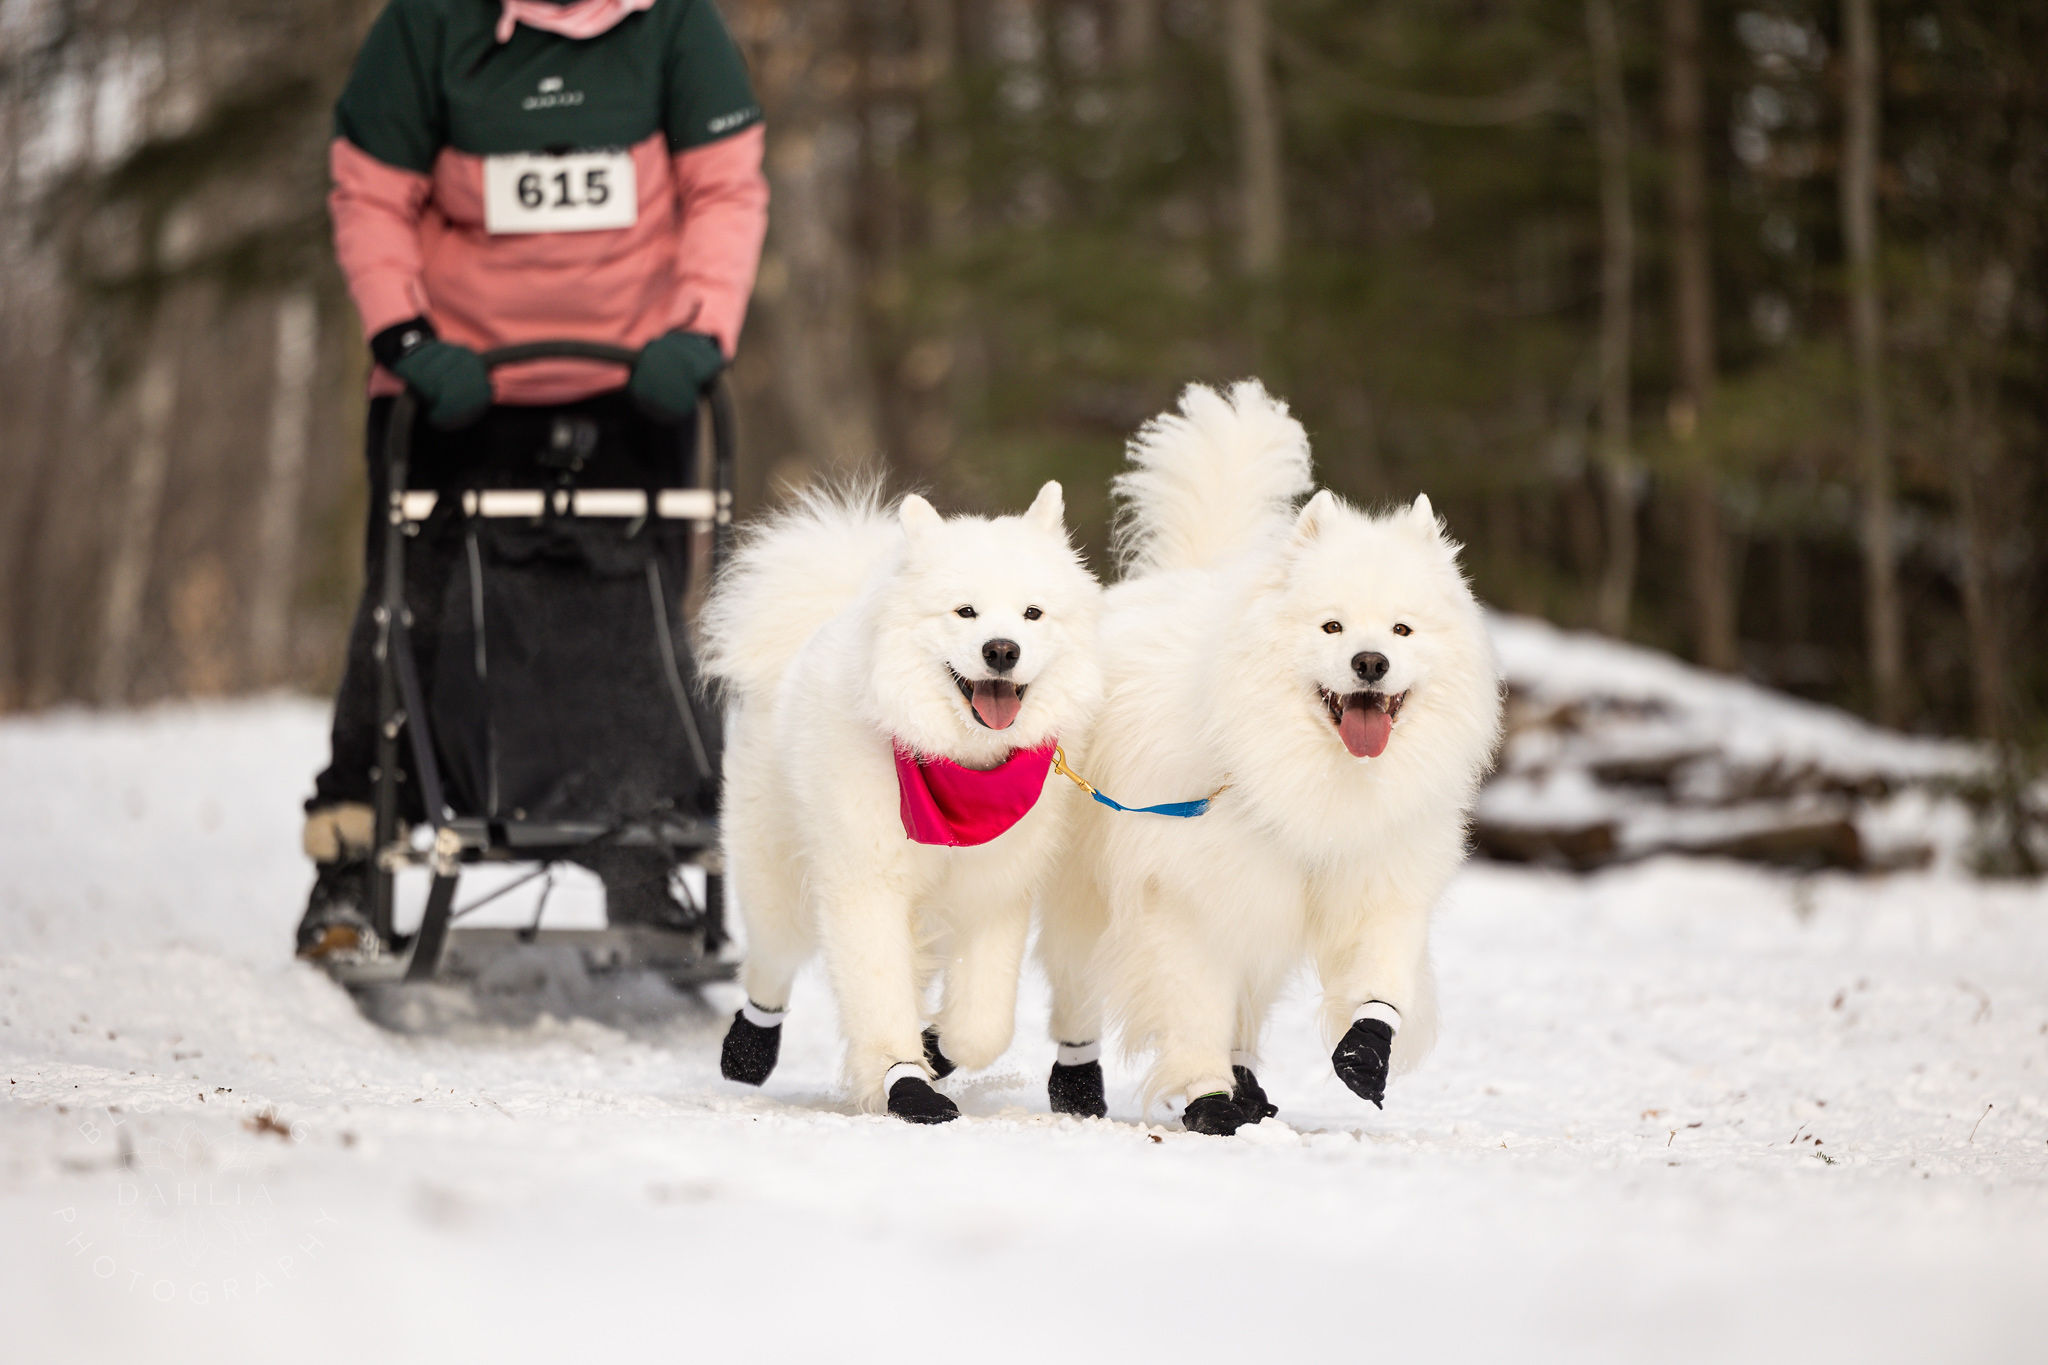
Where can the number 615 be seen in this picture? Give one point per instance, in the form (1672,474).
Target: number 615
(533,189)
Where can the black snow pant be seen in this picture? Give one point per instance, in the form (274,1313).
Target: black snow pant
(601,442)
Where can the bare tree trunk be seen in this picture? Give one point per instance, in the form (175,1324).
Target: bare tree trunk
(1975,445)
(1137,31)
(1134,42)
(821,345)
(1692,307)
(134,540)
(1617,305)
(1262,207)
(942,372)
(1882,628)
(938,43)
(284,479)
(811,275)
(1504,550)
(1980,613)
(14,393)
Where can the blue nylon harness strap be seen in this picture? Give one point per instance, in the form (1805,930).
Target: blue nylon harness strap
(1181,810)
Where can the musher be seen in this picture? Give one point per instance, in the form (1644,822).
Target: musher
(509,171)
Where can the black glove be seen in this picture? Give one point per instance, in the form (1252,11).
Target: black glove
(1361,1059)
(451,380)
(672,373)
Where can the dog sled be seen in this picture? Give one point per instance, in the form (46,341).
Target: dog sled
(537,698)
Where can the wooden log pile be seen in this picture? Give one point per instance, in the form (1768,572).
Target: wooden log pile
(1614,754)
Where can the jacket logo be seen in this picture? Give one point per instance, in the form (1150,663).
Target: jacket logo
(734,119)
(551,96)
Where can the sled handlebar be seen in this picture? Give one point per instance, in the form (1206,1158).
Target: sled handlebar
(717,398)
(715,395)
(559,350)
(716,401)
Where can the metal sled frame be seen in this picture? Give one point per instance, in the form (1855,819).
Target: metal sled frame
(436,947)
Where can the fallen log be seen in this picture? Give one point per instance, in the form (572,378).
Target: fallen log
(1811,844)
(1580,847)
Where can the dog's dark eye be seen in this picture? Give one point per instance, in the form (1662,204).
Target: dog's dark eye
(1032,613)
(1333,627)
(966,613)
(1402,630)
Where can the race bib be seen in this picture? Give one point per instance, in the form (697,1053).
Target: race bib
(574,192)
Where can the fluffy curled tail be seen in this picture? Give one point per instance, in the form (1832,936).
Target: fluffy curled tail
(792,572)
(1209,479)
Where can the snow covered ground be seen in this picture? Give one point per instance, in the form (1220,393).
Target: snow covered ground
(1683,1110)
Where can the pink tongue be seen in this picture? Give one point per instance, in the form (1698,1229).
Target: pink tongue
(1364,729)
(997,703)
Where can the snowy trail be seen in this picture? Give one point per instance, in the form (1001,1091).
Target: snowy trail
(1616,1152)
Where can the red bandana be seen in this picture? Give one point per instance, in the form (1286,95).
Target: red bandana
(946,804)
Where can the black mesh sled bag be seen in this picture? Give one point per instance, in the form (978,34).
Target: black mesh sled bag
(562,684)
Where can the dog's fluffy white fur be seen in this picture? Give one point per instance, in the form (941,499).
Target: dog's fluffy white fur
(836,633)
(1238,613)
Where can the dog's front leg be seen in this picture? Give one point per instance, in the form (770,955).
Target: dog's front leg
(870,954)
(1072,920)
(980,1010)
(1178,994)
(779,941)
(1371,946)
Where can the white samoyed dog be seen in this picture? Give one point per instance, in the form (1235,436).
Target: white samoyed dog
(885,669)
(1329,673)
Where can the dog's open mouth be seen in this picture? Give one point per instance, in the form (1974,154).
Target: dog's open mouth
(1364,720)
(994,701)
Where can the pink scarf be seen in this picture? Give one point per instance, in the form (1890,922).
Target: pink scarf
(944,803)
(579,19)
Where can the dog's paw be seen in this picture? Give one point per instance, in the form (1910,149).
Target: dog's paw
(939,1062)
(750,1051)
(1216,1115)
(912,1098)
(1250,1097)
(1361,1059)
(1077,1090)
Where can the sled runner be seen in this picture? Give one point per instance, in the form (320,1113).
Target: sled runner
(537,695)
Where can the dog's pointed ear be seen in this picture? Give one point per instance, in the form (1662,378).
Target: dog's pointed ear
(1049,509)
(1314,513)
(1425,515)
(919,518)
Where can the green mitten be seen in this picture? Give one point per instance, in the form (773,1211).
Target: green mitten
(451,380)
(672,373)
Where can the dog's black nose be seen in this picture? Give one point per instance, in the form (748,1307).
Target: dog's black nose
(1369,666)
(1002,655)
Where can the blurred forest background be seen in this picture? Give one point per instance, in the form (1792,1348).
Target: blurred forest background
(1720,326)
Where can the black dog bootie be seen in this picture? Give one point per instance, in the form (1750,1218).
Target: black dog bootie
(939,1062)
(1077,1090)
(1075,1086)
(1361,1059)
(1216,1115)
(1251,1097)
(912,1098)
(751,1045)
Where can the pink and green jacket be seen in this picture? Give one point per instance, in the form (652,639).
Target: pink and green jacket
(443,86)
